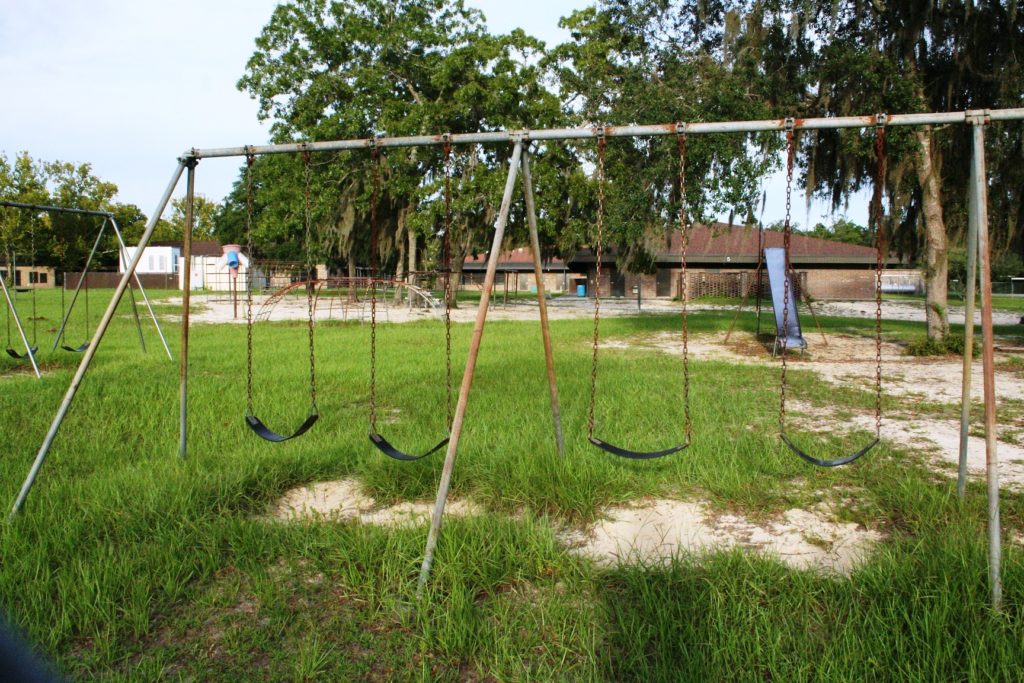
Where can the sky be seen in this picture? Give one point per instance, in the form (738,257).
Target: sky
(128,85)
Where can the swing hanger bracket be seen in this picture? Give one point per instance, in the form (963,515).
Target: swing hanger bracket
(977,117)
(789,124)
(681,128)
(599,131)
(881,120)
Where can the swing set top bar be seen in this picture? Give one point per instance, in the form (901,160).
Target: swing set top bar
(57,209)
(586,132)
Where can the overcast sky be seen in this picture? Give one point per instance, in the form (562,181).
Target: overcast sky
(127,85)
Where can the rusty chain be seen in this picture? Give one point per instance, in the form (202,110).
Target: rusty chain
(250,158)
(684,237)
(375,176)
(790,158)
(877,214)
(597,279)
(310,286)
(447,265)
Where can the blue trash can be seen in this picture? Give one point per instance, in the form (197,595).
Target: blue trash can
(581,290)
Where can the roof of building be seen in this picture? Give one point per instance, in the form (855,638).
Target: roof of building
(515,259)
(199,247)
(724,243)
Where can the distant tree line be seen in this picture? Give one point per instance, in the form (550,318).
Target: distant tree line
(62,240)
(332,69)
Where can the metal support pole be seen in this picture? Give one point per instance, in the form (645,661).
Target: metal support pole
(538,274)
(142,290)
(186,292)
(979,188)
(21,330)
(969,297)
(78,287)
(135,314)
(467,377)
(94,345)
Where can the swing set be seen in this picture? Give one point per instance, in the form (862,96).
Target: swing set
(81,286)
(519,163)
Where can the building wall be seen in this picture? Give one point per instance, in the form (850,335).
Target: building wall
(32,277)
(819,283)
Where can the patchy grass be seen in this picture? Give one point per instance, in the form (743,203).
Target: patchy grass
(130,564)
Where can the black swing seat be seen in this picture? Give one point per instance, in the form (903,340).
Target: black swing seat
(264,432)
(635,455)
(81,348)
(846,459)
(387,449)
(14,354)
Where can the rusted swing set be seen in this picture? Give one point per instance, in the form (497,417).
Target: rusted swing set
(520,141)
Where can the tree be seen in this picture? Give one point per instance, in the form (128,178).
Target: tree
(23,182)
(204,211)
(354,69)
(925,55)
(843,230)
(73,235)
(656,60)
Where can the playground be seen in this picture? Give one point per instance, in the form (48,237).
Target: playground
(302,558)
(770,487)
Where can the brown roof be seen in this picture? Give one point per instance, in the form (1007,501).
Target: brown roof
(199,247)
(515,259)
(723,243)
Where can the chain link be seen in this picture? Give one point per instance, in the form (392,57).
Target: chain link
(250,158)
(597,279)
(375,175)
(790,158)
(877,214)
(447,265)
(310,286)
(684,238)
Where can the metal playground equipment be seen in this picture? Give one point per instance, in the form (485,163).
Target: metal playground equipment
(978,247)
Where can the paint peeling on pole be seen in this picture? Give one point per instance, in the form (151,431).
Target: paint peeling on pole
(979,188)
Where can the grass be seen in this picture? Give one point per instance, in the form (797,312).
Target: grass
(130,564)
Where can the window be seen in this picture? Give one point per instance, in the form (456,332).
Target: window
(42,278)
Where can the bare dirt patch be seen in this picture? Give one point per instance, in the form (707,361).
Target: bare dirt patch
(345,500)
(658,530)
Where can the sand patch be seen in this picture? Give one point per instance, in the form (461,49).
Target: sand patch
(940,439)
(660,529)
(345,500)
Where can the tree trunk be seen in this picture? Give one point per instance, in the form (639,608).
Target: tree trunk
(936,244)
(353,291)
(400,268)
(412,257)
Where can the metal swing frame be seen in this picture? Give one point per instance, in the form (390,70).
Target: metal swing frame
(107,217)
(977,237)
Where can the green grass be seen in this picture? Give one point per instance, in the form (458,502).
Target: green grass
(1000,302)
(130,564)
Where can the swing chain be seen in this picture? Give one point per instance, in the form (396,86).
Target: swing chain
(448,274)
(375,182)
(790,158)
(877,215)
(684,238)
(310,284)
(250,158)
(597,280)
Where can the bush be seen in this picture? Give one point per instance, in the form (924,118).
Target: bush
(953,344)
